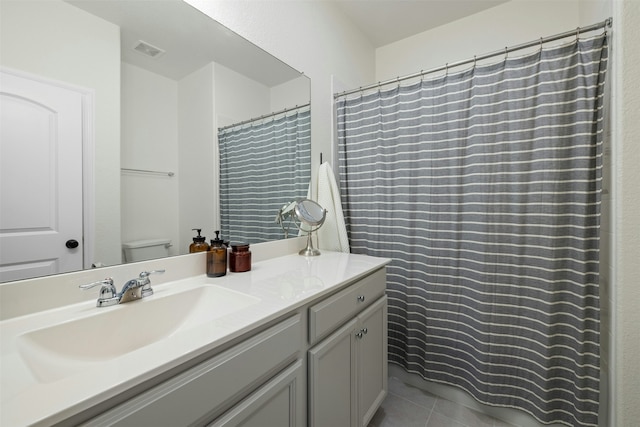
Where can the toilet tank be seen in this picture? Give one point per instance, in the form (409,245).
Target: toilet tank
(140,250)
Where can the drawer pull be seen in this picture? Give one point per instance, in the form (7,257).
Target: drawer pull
(362,332)
(360,298)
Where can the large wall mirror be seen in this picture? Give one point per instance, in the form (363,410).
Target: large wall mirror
(156,80)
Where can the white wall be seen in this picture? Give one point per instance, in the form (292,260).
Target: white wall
(239,98)
(290,94)
(149,141)
(58,41)
(626,199)
(508,24)
(198,175)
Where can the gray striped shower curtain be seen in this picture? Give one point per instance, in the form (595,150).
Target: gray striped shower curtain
(263,165)
(483,186)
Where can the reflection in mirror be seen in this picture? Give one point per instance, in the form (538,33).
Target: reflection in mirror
(262,164)
(156,79)
(285,215)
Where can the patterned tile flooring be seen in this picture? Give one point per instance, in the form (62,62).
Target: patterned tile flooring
(407,406)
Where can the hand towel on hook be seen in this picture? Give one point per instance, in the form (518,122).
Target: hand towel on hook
(332,236)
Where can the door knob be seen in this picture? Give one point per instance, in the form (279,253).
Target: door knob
(71,244)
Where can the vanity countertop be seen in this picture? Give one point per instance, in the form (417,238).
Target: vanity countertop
(276,287)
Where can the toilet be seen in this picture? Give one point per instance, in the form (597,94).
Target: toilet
(140,250)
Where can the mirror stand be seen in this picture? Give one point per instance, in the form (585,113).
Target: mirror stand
(309,250)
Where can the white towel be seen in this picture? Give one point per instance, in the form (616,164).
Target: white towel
(332,236)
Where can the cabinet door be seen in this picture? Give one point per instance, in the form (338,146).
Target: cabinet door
(276,404)
(332,379)
(371,340)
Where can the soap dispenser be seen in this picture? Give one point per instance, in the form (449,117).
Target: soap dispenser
(199,243)
(217,257)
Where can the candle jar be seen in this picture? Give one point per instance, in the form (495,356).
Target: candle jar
(240,258)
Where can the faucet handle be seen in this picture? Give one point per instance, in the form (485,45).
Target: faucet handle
(144,277)
(107,291)
(108,283)
(146,274)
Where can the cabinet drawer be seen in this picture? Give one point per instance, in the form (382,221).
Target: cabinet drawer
(277,403)
(327,315)
(206,389)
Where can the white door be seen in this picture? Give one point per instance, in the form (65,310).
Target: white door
(40,178)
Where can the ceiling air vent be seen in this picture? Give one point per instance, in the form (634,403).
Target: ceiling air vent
(148,49)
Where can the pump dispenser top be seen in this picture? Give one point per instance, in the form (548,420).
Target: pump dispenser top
(199,243)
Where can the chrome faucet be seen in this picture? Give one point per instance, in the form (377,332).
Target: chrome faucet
(133,290)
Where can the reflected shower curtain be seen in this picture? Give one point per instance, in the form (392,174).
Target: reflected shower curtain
(484,188)
(263,165)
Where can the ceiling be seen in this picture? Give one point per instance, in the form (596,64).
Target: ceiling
(163,24)
(387,21)
(189,38)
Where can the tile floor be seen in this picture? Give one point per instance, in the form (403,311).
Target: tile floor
(407,406)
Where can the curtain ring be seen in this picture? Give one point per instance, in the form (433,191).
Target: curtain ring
(506,53)
(421,76)
(446,69)
(540,44)
(474,62)
(578,34)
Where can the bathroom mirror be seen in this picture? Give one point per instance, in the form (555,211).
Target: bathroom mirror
(180,71)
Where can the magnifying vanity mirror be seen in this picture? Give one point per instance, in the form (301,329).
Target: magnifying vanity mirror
(311,216)
(150,82)
(307,215)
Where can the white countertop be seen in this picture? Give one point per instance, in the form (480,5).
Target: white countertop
(279,285)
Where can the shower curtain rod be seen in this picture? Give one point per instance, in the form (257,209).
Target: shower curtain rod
(604,24)
(244,122)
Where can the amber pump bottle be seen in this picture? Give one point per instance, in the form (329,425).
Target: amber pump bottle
(217,257)
(199,244)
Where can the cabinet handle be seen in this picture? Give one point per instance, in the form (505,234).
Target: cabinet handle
(362,332)
(360,298)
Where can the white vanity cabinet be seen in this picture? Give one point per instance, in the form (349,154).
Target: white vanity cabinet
(348,368)
(296,341)
(198,395)
(280,376)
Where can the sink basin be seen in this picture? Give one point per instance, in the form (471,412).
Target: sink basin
(63,349)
